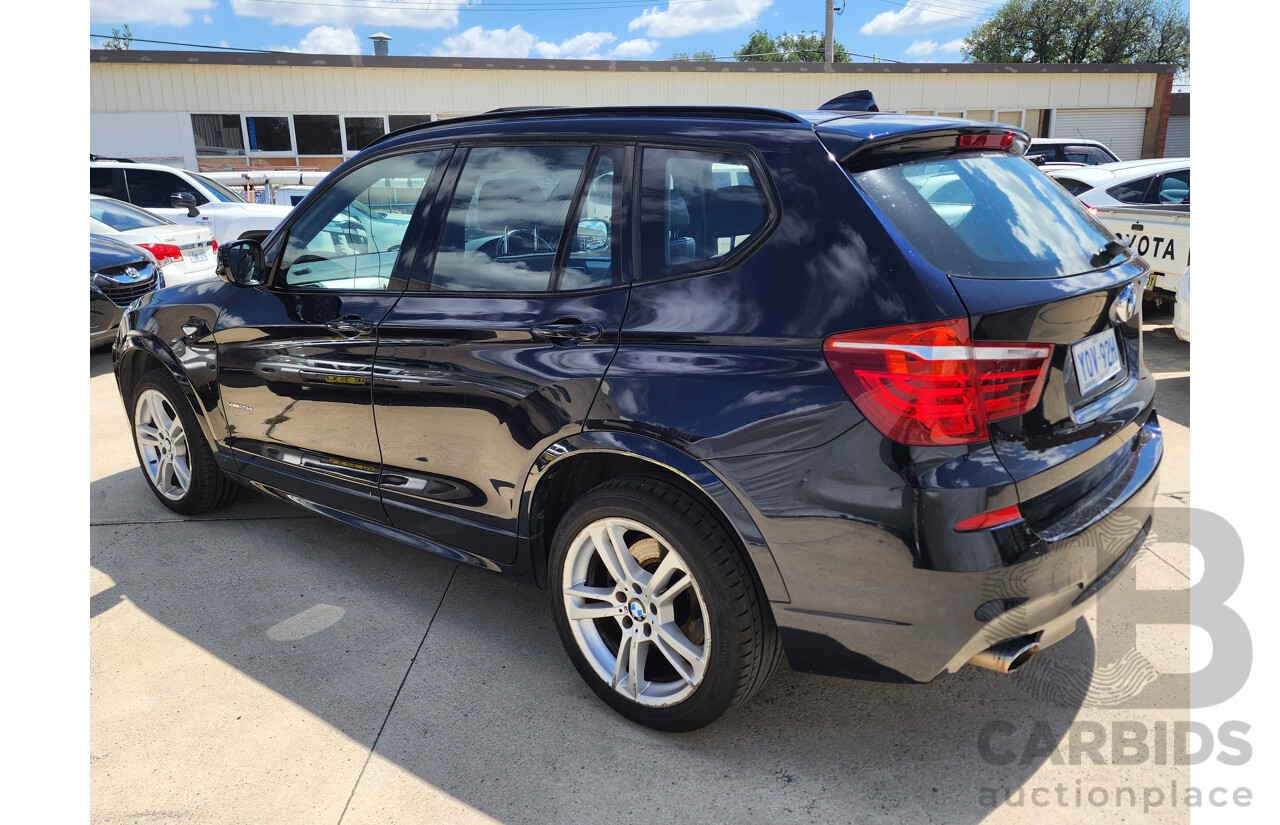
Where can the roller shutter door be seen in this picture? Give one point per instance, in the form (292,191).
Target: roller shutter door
(1177,139)
(1120,129)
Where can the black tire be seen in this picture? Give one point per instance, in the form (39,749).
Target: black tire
(208,488)
(743,638)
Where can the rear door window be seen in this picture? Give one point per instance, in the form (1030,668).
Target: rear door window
(1174,187)
(697,209)
(987,216)
(1135,191)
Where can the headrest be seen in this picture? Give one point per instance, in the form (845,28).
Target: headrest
(735,210)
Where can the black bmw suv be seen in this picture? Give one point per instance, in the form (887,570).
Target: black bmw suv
(864,389)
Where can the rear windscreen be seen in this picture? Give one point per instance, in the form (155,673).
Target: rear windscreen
(988,216)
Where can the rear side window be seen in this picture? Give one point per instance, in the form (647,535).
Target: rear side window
(987,216)
(1135,191)
(697,208)
(101,182)
(1088,155)
(1175,187)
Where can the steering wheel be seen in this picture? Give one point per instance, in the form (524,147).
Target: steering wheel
(526,240)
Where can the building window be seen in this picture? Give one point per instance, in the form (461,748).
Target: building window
(361,131)
(269,134)
(318,134)
(217,135)
(403,121)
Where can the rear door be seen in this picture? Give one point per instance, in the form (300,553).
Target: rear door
(295,357)
(498,347)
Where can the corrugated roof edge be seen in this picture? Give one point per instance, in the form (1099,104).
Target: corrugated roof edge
(746,113)
(481,63)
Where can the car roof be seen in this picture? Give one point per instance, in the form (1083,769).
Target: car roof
(1067,141)
(129,164)
(860,126)
(1104,174)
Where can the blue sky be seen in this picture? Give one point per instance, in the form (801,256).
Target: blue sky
(906,30)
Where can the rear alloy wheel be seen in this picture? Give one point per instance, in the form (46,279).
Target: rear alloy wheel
(657,607)
(172,451)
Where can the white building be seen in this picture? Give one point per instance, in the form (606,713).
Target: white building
(222,111)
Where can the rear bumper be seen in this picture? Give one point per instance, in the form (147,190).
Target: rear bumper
(868,600)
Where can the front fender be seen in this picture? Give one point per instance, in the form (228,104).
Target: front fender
(669,458)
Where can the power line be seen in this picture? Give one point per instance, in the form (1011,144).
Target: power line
(188,45)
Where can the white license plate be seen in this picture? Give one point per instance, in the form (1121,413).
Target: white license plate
(1097,359)
(199,255)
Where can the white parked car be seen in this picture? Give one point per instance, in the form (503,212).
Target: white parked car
(1182,308)
(184,197)
(185,253)
(1157,182)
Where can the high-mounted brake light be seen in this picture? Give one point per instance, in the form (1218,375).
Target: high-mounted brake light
(987,141)
(929,384)
(164,253)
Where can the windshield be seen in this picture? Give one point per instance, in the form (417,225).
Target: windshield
(989,216)
(219,191)
(123,217)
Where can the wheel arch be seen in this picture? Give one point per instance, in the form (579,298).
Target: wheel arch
(140,354)
(572,466)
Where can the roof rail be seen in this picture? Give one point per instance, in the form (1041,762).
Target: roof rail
(747,113)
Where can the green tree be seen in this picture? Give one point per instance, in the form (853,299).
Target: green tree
(1083,31)
(805,47)
(704,57)
(121,39)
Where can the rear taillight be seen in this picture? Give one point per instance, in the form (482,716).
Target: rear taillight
(164,253)
(214,241)
(990,519)
(929,384)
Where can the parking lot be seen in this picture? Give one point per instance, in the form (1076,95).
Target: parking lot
(266,665)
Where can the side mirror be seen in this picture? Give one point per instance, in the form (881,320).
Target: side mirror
(184,200)
(593,235)
(240,263)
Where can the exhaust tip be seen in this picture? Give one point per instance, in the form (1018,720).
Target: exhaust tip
(1009,655)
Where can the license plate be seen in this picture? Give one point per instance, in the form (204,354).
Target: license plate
(1097,359)
(199,255)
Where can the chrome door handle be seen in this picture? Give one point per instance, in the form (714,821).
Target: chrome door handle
(349,326)
(561,333)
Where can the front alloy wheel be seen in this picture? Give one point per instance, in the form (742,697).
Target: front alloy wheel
(162,445)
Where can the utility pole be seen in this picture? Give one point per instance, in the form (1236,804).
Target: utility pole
(828,52)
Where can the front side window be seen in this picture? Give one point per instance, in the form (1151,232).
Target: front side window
(697,207)
(349,237)
(153,189)
(507,218)
(1175,187)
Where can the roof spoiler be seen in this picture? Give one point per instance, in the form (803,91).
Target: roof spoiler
(859,101)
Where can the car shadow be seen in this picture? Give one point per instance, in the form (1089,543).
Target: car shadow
(493,713)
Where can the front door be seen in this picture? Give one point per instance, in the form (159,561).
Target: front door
(296,355)
(498,347)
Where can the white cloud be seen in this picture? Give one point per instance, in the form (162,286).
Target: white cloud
(706,16)
(922,48)
(952,45)
(408,13)
(585,46)
(326,40)
(478,41)
(160,12)
(635,48)
(918,18)
(206,19)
